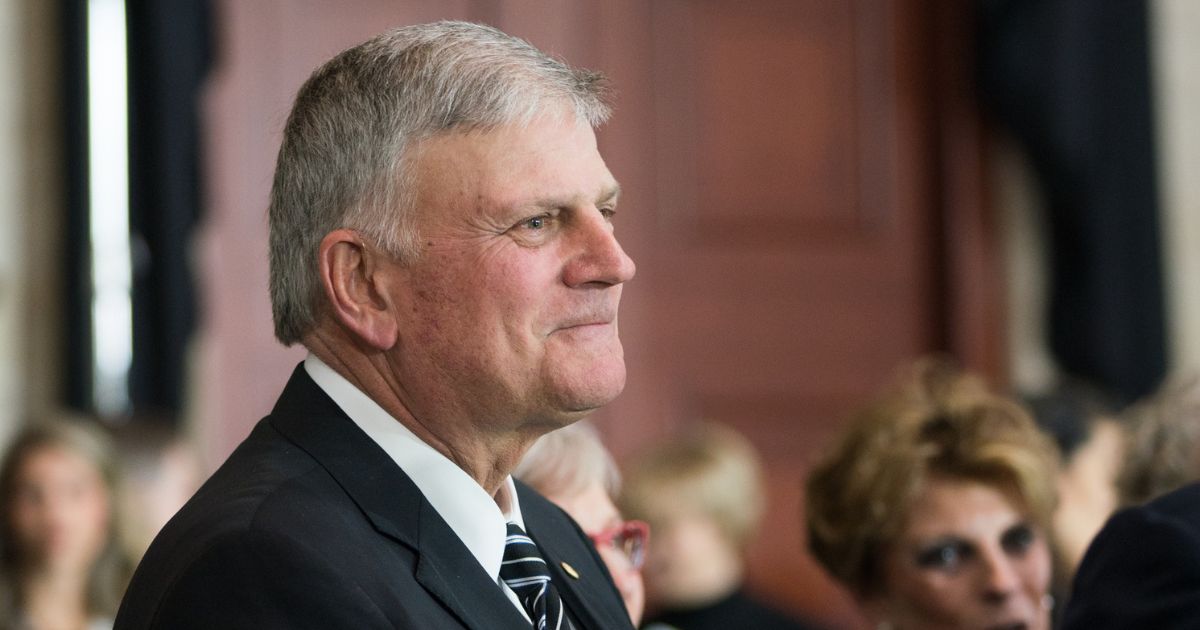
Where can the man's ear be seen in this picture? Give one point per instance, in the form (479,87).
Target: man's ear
(356,282)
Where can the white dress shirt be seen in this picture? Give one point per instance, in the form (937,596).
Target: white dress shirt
(466,507)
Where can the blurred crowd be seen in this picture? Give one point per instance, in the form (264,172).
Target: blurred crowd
(941,504)
(79,504)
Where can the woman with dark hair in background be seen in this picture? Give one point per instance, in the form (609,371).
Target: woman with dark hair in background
(63,568)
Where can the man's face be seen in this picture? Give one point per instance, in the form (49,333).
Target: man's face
(509,312)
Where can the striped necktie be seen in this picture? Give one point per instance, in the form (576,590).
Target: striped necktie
(525,572)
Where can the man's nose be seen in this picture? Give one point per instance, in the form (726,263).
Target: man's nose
(597,256)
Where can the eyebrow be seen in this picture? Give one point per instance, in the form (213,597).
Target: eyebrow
(607,194)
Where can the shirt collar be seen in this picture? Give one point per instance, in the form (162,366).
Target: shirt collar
(465,506)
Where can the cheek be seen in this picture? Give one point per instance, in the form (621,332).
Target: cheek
(940,594)
(89,513)
(1035,569)
(615,561)
(926,597)
(98,511)
(27,519)
(461,304)
(629,584)
(931,591)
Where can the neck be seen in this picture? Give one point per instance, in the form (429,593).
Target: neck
(704,584)
(55,598)
(722,578)
(487,456)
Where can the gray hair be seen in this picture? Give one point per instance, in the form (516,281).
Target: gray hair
(1162,451)
(567,461)
(354,125)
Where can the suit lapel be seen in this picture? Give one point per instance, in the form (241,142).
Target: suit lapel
(578,593)
(393,504)
(448,570)
(561,541)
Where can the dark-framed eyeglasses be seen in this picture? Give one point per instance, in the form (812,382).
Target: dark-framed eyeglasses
(629,537)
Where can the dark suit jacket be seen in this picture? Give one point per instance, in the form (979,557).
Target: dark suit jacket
(310,524)
(738,610)
(1143,569)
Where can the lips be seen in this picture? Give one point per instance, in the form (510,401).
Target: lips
(595,318)
(586,331)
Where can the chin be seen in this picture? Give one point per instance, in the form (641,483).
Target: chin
(591,390)
(591,370)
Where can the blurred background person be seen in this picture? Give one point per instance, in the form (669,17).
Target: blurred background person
(1163,451)
(1143,569)
(63,568)
(571,467)
(934,507)
(702,496)
(160,469)
(1091,443)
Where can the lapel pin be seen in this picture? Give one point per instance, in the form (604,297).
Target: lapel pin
(570,570)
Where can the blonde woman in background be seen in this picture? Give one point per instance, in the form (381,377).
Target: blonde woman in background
(571,467)
(702,495)
(934,508)
(63,568)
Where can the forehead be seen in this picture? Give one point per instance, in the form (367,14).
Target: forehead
(53,460)
(961,508)
(549,158)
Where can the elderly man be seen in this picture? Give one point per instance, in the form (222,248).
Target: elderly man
(442,244)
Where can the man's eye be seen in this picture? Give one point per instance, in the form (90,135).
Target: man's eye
(535,223)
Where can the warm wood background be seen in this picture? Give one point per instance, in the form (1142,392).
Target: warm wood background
(802,194)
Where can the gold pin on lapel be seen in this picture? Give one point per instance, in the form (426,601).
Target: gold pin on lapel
(570,570)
